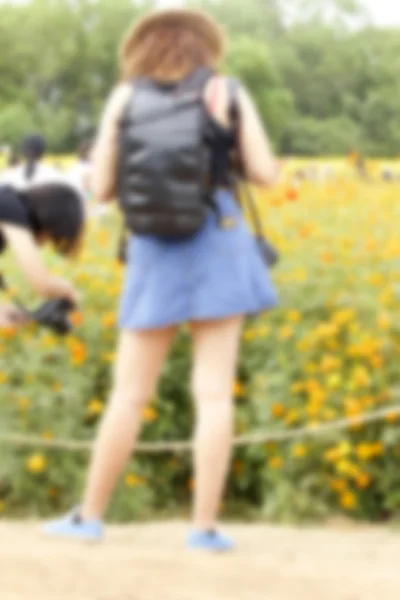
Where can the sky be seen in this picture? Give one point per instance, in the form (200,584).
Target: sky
(383,12)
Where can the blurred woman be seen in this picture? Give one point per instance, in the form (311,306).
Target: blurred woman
(211,279)
(31,170)
(28,219)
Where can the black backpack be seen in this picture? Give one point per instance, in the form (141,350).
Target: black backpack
(164,159)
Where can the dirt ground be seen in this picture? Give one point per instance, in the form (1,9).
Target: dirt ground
(149,562)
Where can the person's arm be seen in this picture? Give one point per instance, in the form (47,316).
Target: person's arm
(11,316)
(105,153)
(26,251)
(258,159)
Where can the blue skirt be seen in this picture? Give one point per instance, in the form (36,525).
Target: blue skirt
(216,274)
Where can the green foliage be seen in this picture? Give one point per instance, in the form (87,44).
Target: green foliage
(313,74)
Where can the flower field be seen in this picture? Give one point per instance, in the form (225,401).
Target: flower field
(331,350)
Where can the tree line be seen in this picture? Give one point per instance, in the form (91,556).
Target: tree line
(325,80)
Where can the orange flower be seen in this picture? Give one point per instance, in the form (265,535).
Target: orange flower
(292,194)
(78,352)
(363,480)
(348,501)
(327,257)
(76,318)
(278,410)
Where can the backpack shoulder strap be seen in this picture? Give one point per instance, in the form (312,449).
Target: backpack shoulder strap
(196,81)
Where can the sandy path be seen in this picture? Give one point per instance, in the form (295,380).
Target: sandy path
(147,562)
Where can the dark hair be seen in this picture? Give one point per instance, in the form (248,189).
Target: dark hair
(57,210)
(33,149)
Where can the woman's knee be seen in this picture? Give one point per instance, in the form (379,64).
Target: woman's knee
(131,398)
(208,391)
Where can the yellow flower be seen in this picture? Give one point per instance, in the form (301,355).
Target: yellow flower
(292,416)
(294,316)
(299,451)
(338,452)
(36,463)
(285,332)
(48,435)
(250,334)
(95,407)
(3,378)
(329,363)
(344,467)
(353,407)
(239,391)
(361,377)
(150,414)
(383,321)
(109,320)
(392,418)
(132,480)
(24,404)
(3,506)
(366,452)
(313,409)
(318,395)
(341,317)
(334,381)
(275,462)
(348,500)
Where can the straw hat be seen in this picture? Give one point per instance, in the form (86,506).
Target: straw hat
(196,20)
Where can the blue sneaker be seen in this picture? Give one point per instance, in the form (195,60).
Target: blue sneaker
(213,541)
(73,527)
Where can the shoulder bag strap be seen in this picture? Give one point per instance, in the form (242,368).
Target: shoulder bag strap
(237,167)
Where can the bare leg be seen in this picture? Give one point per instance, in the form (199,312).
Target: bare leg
(215,352)
(139,361)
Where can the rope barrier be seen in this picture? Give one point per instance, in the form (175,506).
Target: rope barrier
(19,440)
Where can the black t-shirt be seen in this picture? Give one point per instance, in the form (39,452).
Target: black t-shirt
(12,211)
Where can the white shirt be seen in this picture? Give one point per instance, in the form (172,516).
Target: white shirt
(80,174)
(44,174)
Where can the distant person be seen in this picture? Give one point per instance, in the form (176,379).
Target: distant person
(191,257)
(31,170)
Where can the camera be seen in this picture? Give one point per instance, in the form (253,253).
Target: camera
(54,314)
